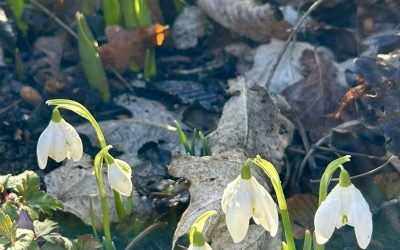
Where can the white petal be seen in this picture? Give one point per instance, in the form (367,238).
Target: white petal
(58,147)
(205,247)
(345,204)
(228,193)
(120,179)
(43,146)
(326,216)
(238,211)
(264,208)
(74,142)
(362,217)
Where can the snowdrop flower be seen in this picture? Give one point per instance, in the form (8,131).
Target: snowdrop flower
(119,176)
(244,198)
(58,141)
(344,205)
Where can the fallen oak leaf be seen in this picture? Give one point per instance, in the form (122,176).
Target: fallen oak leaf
(127,46)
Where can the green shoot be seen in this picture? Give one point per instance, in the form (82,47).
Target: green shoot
(112,12)
(183,138)
(92,65)
(17,7)
(191,150)
(205,150)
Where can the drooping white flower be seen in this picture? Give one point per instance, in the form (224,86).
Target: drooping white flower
(344,205)
(246,198)
(58,141)
(119,177)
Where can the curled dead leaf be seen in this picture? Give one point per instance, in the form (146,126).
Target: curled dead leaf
(127,46)
(247,18)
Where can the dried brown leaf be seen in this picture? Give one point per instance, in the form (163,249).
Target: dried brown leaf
(302,208)
(247,18)
(127,46)
(318,95)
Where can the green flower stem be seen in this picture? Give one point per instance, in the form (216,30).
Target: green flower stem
(327,176)
(104,209)
(80,110)
(271,172)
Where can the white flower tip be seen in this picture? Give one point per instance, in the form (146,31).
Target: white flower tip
(321,240)
(119,179)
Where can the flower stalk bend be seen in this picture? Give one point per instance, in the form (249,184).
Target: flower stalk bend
(271,172)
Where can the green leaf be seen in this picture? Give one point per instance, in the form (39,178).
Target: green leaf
(43,228)
(92,65)
(142,12)
(10,209)
(150,66)
(128,13)
(3,242)
(86,242)
(112,12)
(307,241)
(3,182)
(205,150)
(8,228)
(35,198)
(15,180)
(182,136)
(17,7)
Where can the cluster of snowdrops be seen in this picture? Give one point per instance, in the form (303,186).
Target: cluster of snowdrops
(244,198)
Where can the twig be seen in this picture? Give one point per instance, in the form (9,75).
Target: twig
(122,79)
(285,46)
(3,110)
(330,149)
(55,18)
(363,174)
(145,232)
(309,153)
(306,144)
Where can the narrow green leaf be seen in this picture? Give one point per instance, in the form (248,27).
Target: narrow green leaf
(112,12)
(150,65)
(17,7)
(92,65)
(307,241)
(92,221)
(142,12)
(182,136)
(193,146)
(128,13)
(205,150)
